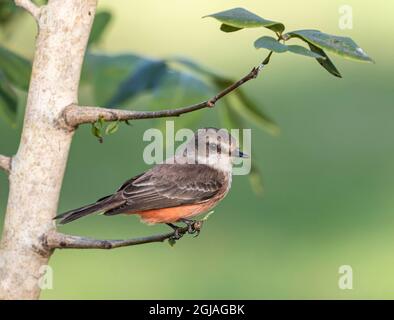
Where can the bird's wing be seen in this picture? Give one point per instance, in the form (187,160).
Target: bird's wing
(170,185)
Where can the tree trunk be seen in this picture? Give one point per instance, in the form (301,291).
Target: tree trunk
(37,168)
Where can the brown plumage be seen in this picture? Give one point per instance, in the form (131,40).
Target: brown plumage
(164,186)
(169,192)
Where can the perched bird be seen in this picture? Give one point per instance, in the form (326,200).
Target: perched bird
(191,182)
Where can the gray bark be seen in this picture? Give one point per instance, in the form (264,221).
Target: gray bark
(39,164)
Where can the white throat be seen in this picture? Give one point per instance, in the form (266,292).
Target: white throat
(222,163)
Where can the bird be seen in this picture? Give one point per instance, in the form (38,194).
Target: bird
(191,182)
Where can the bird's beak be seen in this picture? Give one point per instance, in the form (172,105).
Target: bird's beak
(240,154)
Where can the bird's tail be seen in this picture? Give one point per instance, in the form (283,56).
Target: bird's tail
(102,204)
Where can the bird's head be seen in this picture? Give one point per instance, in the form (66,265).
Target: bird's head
(212,146)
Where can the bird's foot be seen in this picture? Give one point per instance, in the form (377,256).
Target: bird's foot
(197,225)
(193,226)
(177,231)
(190,225)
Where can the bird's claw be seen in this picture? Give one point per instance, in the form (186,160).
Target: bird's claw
(198,226)
(177,235)
(193,227)
(190,229)
(177,231)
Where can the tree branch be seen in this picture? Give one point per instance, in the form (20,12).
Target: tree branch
(56,240)
(30,7)
(39,164)
(75,115)
(5,163)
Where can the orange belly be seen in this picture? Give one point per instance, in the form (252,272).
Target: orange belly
(171,215)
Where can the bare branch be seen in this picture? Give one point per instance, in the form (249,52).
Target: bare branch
(30,7)
(5,163)
(75,115)
(55,240)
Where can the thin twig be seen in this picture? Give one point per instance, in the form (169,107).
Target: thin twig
(56,240)
(5,163)
(75,115)
(30,7)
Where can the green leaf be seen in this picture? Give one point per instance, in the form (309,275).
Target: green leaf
(100,23)
(180,88)
(104,74)
(341,46)
(112,128)
(245,108)
(229,119)
(274,45)
(96,130)
(201,70)
(171,242)
(256,180)
(16,68)
(226,28)
(270,44)
(8,100)
(241,18)
(326,63)
(240,105)
(101,122)
(304,52)
(146,76)
(251,112)
(8,10)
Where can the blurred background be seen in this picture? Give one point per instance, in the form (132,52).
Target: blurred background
(328,177)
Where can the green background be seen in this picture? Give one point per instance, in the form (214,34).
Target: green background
(328,178)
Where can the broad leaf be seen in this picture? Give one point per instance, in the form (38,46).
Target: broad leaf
(342,46)
(104,74)
(16,68)
(239,18)
(228,116)
(180,88)
(304,52)
(325,63)
(8,100)
(247,109)
(200,69)
(146,76)
(100,23)
(8,10)
(227,28)
(274,45)
(256,179)
(270,44)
